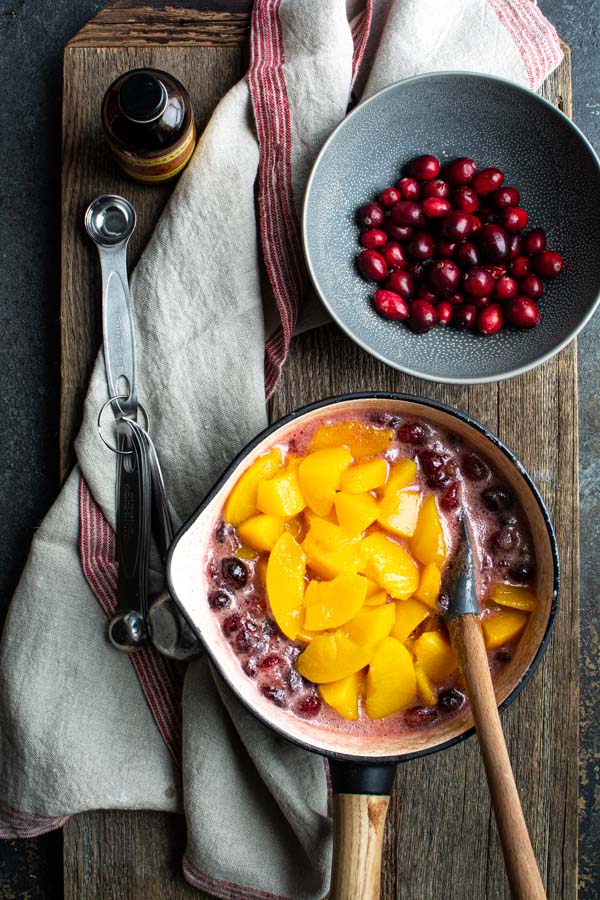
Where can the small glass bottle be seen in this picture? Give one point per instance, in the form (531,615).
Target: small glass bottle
(148,121)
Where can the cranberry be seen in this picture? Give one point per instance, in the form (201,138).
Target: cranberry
(534,241)
(309,706)
(407,212)
(507,518)
(372,265)
(231,624)
(417,716)
(456,299)
(409,189)
(506,288)
(437,188)
(246,639)
(219,599)
(413,433)
(223,531)
(480,302)
(425,294)
(547,263)
(389,196)
(416,269)
(490,320)
(487,215)
(400,282)
(487,180)
(396,232)
(450,499)
(477,282)
(474,468)
(444,248)
(506,539)
(522,312)
(443,311)
(514,218)
(373,238)
(422,316)
(520,267)
(464,316)
(505,196)
(451,700)
(434,208)
(432,463)
(522,571)
(495,271)
(497,498)
(390,305)
(460,171)
(457,225)
(493,243)
(234,571)
(276,694)
(444,276)
(371,215)
(394,256)
(531,286)
(250,667)
(466,255)
(421,245)
(270,660)
(476,224)
(424,168)
(515,243)
(465,199)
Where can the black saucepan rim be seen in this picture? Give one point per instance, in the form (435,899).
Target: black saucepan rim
(380,395)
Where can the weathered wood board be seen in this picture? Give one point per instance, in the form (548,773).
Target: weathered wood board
(440,837)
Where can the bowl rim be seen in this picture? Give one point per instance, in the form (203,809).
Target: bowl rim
(440,379)
(333,401)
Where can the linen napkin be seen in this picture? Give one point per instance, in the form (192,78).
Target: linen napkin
(82,726)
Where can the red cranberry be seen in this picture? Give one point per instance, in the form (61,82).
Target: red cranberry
(444,249)
(412,433)
(270,660)
(457,225)
(456,299)
(372,265)
(394,256)
(515,244)
(234,571)
(464,316)
(371,215)
(487,215)
(400,282)
(424,168)
(422,316)
(450,499)
(390,305)
(465,199)
(432,463)
(490,320)
(547,263)
(219,599)
(437,188)
(373,238)
(416,269)
(475,225)
(520,267)
(231,624)
(451,700)
(474,468)
(396,232)
(276,694)
(522,312)
(514,218)
(534,241)
(480,302)
(389,196)
(444,276)
(466,255)
(425,294)
(487,180)
(409,189)
(522,571)
(407,212)
(421,245)
(477,282)
(443,311)
(460,171)
(223,531)
(309,706)
(497,498)
(505,539)
(420,716)
(493,243)
(495,271)
(531,286)
(434,208)
(505,196)
(506,288)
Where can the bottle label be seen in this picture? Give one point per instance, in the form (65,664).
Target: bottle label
(158,168)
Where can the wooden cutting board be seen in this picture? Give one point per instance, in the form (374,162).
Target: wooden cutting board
(440,836)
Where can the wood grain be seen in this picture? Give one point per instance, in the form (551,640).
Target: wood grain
(440,838)
(359,821)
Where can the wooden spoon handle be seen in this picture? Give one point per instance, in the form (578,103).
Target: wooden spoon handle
(521,866)
(359,820)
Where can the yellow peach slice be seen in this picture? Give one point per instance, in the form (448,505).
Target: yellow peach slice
(363,477)
(330,657)
(371,625)
(343,695)
(286,570)
(409,614)
(296,528)
(390,565)
(398,512)
(435,656)
(429,585)
(281,494)
(391,682)
(261,532)
(428,543)
(319,474)
(501,627)
(402,473)
(330,551)
(355,512)
(376,599)
(331,603)
(515,597)
(241,502)
(363,440)
(425,689)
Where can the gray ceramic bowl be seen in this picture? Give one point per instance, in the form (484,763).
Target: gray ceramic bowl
(497,123)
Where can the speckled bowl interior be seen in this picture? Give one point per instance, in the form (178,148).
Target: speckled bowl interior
(497,123)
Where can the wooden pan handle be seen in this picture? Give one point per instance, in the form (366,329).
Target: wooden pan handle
(521,866)
(359,820)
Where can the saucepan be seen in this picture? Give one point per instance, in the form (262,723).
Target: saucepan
(362,766)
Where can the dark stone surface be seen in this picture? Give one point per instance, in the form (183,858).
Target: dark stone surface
(32,34)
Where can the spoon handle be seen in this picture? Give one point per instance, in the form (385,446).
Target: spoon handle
(519,859)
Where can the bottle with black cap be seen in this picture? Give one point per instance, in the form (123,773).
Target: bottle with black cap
(148,120)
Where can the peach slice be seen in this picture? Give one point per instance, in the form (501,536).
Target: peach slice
(402,474)
(371,625)
(409,614)
(391,682)
(429,585)
(286,570)
(363,440)
(398,512)
(376,599)
(355,512)
(515,597)
(241,502)
(330,657)
(319,474)
(428,543)
(330,551)
(501,627)
(435,656)
(390,565)
(425,689)
(343,695)
(261,532)
(331,603)
(363,477)
(281,494)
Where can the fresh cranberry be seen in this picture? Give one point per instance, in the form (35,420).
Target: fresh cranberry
(497,498)
(371,215)
(231,624)
(515,243)
(234,571)
(451,700)
(444,276)
(534,241)
(460,171)
(443,311)
(219,599)
(506,288)
(547,263)
(477,282)
(450,499)
(372,265)
(276,694)
(394,256)
(396,232)
(480,302)
(389,196)
(309,706)
(522,571)
(466,255)
(506,539)
(421,245)
(487,180)
(373,238)
(520,267)
(490,320)
(407,212)
(464,316)
(270,660)
(413,433)
(436,188)
(476,224)
(424,168)
(390,305)
(465,199)
(514,218)
(505,196)
(434,208)
(456,298)
(493,243)
(424,293)
(416,269)
(457,225)
(409,189)
(432,464)
(522,312)
(531,286)
(422,316)
(444,249)
(474,468)
(400,282)
(495,271)
(487,215)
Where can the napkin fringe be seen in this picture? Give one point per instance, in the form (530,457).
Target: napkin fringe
(16,823)
(224,890)
(360,29)
(534,36)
